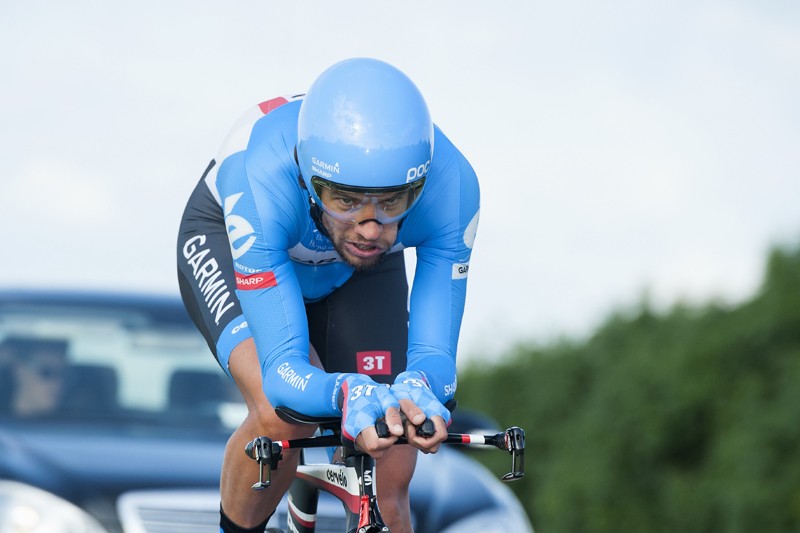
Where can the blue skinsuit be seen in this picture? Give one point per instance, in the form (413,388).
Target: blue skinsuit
(281,260)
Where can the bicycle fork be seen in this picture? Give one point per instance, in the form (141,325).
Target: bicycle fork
(369,518)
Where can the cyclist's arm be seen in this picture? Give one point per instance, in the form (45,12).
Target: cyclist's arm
(282,341)
(440,281)
(263,223)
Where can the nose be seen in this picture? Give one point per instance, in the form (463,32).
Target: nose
(370,229)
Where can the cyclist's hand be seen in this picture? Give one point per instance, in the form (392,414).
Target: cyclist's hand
(364,402)
(418,402)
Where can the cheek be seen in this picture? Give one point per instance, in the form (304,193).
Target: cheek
(391,231)
(339,233)
(330,225)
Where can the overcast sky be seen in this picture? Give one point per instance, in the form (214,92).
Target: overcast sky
(623,147)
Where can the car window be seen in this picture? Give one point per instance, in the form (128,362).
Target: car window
(90,363)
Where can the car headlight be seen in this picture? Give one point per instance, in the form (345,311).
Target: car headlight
(26,509)
(492,521)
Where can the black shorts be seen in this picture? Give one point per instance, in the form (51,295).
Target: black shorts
(361,327)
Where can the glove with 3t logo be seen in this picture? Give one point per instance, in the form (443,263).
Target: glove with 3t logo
(412,385)
(364,402)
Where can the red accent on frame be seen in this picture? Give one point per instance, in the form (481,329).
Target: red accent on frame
(296,518)
(364,512)
(352,501)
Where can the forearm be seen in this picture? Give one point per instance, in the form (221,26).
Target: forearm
(440,372)
(293,382)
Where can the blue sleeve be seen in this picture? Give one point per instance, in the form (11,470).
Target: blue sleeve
(263,208)
(443,230)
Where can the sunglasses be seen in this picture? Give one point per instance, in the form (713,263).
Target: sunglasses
(355,204)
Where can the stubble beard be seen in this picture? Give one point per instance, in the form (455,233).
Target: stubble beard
(361,264)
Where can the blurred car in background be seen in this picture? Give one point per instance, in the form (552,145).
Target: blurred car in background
(114,417)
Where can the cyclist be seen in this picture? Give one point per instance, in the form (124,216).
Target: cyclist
(290,263)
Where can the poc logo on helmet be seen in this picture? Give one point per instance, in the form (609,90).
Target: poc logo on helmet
(418,172)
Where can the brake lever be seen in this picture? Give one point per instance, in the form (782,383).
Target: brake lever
(514,441)
(265,452)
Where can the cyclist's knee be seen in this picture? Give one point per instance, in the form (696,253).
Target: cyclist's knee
(394,481)
(396,467)
(262,420)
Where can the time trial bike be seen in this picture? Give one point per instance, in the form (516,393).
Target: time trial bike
(350,476)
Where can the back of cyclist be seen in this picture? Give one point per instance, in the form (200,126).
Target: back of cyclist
(290,263)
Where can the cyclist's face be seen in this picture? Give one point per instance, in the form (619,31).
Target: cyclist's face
(362,243)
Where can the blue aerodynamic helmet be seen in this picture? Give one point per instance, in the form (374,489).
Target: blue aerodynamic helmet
(365,138)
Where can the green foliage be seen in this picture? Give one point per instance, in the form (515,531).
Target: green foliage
(685,421)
